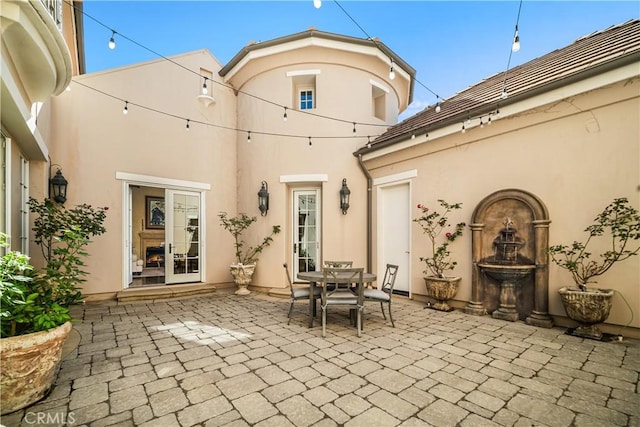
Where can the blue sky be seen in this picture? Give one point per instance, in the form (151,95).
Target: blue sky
(451,44)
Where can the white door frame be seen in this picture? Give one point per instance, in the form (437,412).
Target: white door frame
(129,179)
(317,191)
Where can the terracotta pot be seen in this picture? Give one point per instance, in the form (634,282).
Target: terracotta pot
(588,308)
(242,275)
(28,365)
(442,289)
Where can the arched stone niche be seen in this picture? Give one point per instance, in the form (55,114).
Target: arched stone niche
(531,220)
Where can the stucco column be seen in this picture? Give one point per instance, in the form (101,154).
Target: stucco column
(475,306)
(540,315)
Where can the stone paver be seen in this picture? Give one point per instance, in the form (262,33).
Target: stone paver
(227,360)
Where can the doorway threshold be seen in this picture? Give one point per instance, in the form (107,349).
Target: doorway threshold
(164,291)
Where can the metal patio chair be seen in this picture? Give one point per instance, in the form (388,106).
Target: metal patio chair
(385,291)
(339,296)
(300,293)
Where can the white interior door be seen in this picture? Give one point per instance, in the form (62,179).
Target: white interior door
(182,237)
(394,227)
(306,230)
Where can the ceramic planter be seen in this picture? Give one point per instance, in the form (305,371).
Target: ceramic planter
(588,308)
(28,365)
(442,290)
(242,275)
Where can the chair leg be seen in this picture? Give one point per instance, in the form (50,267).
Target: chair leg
(324,321)
(290,310)
(382,308)
(359,320)
(391,316)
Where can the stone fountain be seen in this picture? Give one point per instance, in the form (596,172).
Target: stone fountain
(508,269)
(510,273)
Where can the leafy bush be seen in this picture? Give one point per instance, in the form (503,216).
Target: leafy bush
(237,226)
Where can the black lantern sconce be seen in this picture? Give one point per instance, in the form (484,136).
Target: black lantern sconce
(263,198)
(58,187)
(344,197)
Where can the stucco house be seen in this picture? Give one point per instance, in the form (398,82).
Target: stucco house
(305,113)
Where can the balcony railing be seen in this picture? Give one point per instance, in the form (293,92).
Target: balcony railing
(55,10)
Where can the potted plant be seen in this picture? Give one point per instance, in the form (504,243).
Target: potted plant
(619,225)
(34,304)
(246,257)
(435,225)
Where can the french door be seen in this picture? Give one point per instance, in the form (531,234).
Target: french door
(394,231)
(306,230)
(183,236)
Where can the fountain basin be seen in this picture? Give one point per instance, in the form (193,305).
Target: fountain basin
(507,272)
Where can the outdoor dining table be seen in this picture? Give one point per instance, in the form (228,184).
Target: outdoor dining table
(316,278)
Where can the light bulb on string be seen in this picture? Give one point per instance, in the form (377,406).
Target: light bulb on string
(125,110)
(481,123)
(354,127)
(205,90)
(248,136)
(284,117)
(392,73)
(112,40)
(497,113)
(310,142)
(438,108)
(504,94)
(468,120)
(463,129)
(516,42)
(413,135)
(426,135)
(187,127)
(317,4)
(489,121)
(368,142)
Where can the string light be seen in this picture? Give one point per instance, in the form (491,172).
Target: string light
(516,42)
(438,108)
(112,40)
(368,142)
(392,73)
(481,122)
(468,120)
(248,136)
(426,135)
(310,142)
(125,110)
(317,4)
(285,114)
(489,121)
(205,90)
(354,127)
(187,127)
(504,94)
(463,129)
(413,135)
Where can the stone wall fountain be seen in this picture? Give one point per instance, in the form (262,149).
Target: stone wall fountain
(510,276)
(508,268)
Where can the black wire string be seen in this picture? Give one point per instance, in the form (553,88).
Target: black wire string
(218,83)
(515,31)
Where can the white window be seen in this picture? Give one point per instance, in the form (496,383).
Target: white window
(306,101)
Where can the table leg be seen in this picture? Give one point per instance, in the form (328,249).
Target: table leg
(312,303)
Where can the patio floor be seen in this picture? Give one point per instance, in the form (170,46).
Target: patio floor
(225,360)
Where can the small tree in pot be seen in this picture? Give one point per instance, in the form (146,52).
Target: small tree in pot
(435,225)
(619,223)
(34,304)
(246,257)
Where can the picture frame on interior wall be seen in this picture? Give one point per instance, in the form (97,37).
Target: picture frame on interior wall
(154,212)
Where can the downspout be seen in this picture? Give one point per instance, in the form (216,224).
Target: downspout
(369,210)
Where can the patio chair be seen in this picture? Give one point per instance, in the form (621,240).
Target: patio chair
(385,291)
(339,296)
(339,264)
(300,293)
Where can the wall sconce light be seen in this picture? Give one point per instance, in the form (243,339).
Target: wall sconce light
(344,197)
(263,198)
(59,187)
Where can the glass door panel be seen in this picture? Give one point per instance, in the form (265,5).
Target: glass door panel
(183,236)
(306,235)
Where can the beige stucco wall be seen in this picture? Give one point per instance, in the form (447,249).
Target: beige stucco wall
(576,155)
(93,140)
(343,91)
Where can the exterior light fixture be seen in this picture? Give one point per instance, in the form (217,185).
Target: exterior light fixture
(317,4)
(344,197)
(112,40)
(59,187)
(516,41)
(263,198)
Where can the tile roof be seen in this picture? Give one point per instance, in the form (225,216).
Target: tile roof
(591,54)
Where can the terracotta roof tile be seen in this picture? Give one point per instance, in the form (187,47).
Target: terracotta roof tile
(584,54)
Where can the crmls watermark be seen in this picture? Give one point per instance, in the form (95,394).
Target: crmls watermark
(57,418)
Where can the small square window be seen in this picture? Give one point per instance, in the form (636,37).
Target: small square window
(306,99)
